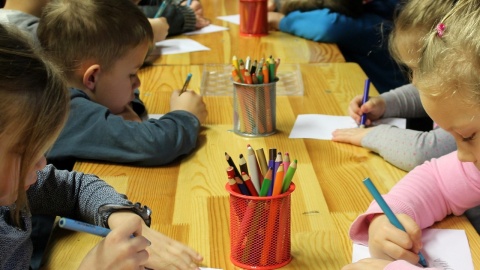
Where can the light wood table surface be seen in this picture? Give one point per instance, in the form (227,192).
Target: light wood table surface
(225,44)
(188,197)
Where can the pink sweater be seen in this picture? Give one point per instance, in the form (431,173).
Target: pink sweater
(428,194)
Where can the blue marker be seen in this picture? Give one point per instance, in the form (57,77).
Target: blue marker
(388,212)
(79,226)
(366,90)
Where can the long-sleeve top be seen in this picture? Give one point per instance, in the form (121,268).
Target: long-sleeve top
(92,132)
(70,194)
(180,18)
(24,21)
(406,148)
(363,40)
(427,194)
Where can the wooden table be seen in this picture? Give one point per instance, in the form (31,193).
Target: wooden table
(225,44)
(188,197)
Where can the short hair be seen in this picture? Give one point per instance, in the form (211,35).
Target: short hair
(73,31)
(34,104)
(451,57)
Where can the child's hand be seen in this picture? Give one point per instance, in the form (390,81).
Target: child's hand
(274,19)
(160,28)
(351,135)
(166,253)
(374,108)
(189,101)
(387,242)
(129,114)
(196,6)
(118,250)
(369,263)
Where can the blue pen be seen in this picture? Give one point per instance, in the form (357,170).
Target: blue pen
(388,212)
(185,85)
(366,90)
(79,226)
(161,9)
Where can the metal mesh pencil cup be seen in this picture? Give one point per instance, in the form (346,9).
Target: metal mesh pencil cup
(260,230)
(254,108)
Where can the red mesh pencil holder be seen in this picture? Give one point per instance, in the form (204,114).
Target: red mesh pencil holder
(260,230)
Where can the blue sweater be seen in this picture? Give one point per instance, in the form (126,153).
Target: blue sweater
(92,132)
(363,40)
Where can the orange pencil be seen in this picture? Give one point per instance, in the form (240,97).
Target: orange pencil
(235,76)
(266,79)
(270,231)
(248,77)
(277,186)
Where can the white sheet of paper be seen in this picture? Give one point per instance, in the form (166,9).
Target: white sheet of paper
(155,116)
(231,18)
(443,249)
(184,45)
(207,29)
(321,126)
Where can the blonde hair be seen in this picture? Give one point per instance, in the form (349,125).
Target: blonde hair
(74,31)
(415,19)
(33,107)
(352,8)
(452,58)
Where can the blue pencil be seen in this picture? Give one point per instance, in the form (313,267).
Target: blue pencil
(185,85)
(75,225)
(161,9)
(389,213)
(189,2)
(366,90)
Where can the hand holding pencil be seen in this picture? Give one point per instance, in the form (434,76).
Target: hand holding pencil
(189,101)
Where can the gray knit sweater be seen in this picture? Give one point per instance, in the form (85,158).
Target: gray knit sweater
(62,193)
(406,148)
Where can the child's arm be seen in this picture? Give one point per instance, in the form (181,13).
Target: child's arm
(160,28)
(428,194)
(331,27)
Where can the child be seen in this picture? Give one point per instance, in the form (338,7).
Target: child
(180,17)
(403,148)
(446,74)
(33,109)
(360,36)
(26,13)
(87,38)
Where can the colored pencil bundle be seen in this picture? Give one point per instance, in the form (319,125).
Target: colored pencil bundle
(257,177)
(260,226)
(255,72)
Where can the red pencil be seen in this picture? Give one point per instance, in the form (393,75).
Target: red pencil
(248,183)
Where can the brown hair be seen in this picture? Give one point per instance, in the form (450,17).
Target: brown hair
(33,107)
(74,31)
(352,8)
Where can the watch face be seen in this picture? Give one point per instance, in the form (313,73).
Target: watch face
(144,212)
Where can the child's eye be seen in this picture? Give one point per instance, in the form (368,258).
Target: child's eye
(471,138)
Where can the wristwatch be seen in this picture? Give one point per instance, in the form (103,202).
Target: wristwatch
(144,212)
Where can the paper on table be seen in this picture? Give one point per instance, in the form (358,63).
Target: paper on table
(443,249)
(176,46)
(207,29)
(321,126)
(231,18)
(155,115)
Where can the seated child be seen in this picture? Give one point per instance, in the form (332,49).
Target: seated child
(404,148)
(445,74)
(101,68)
(358,30)
(33,110)
(26,13)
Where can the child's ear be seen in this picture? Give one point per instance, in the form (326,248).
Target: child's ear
(90,77)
